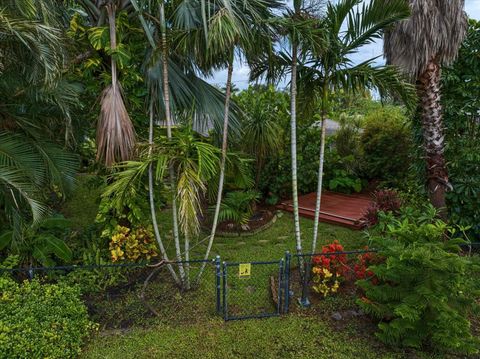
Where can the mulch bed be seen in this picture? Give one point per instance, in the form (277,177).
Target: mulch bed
(261,219)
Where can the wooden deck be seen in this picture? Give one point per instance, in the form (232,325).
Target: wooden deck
(336,208)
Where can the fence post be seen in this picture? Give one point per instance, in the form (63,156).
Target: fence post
(287,281)
(281,280)
(31,273)
(225,313)
(218,275)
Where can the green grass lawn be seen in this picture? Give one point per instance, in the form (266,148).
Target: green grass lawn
(187,326)
(293,336)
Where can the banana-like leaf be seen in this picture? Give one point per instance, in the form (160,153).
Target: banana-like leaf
(5,239)
(58,248)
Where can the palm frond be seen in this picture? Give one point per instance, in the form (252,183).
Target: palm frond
(31,47)
(115,132)
(434,31)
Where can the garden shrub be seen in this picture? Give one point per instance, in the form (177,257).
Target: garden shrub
(386,143)
(133,245)
(41,320)
(386,200)
(328,270)
(276,180)
(460,100)
(332,268)
(422,294)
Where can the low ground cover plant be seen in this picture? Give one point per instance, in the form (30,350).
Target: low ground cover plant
(41,320)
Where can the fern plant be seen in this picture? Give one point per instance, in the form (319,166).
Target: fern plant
(423,293)
(238,206)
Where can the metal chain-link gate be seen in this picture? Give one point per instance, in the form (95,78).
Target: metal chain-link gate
(252,289)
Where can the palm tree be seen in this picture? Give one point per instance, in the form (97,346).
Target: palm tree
(333,69)
(420,45)
(34,99)
(238,25)
(193,162)
(173,87)
(115,132)
(300,26)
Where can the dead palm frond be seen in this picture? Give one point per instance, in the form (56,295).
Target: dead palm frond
(435,30)
(115,132)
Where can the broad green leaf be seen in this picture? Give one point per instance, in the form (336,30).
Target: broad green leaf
(40,253)
(59,248)
(5,239)
(56,222)
(99,37)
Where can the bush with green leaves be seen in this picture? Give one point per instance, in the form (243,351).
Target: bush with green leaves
(460,83)
(41,320)
(275,179)
(423,293)
(43,242)
(386,143)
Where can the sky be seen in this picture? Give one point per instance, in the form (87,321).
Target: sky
(241,71)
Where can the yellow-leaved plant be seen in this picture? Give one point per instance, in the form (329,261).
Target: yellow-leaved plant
(132,245)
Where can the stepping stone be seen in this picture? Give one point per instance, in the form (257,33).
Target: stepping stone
(241,243)
(263,241)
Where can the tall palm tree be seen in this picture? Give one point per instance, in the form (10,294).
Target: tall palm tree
(173,87)
(420,45)
(237,26)
(333,68)
(300,26)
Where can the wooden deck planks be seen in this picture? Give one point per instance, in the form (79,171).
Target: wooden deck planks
(336,208)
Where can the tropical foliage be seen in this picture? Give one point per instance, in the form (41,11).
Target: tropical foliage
(42,320)
(462,126)
(35,109)
(166,158)
(423,294)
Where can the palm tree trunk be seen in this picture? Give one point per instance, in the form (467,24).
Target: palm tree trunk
(293,125)
(228,93)
(320,169)
(319,187)
(166,96)
(152,202)
(433,136)
(187,264)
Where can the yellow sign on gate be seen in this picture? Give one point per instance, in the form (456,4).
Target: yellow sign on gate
(244,270)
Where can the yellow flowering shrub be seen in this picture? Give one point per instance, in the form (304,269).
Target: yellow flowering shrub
(132,245)
(324,282)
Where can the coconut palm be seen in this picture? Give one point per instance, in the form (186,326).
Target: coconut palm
(420,45)
(333,69)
